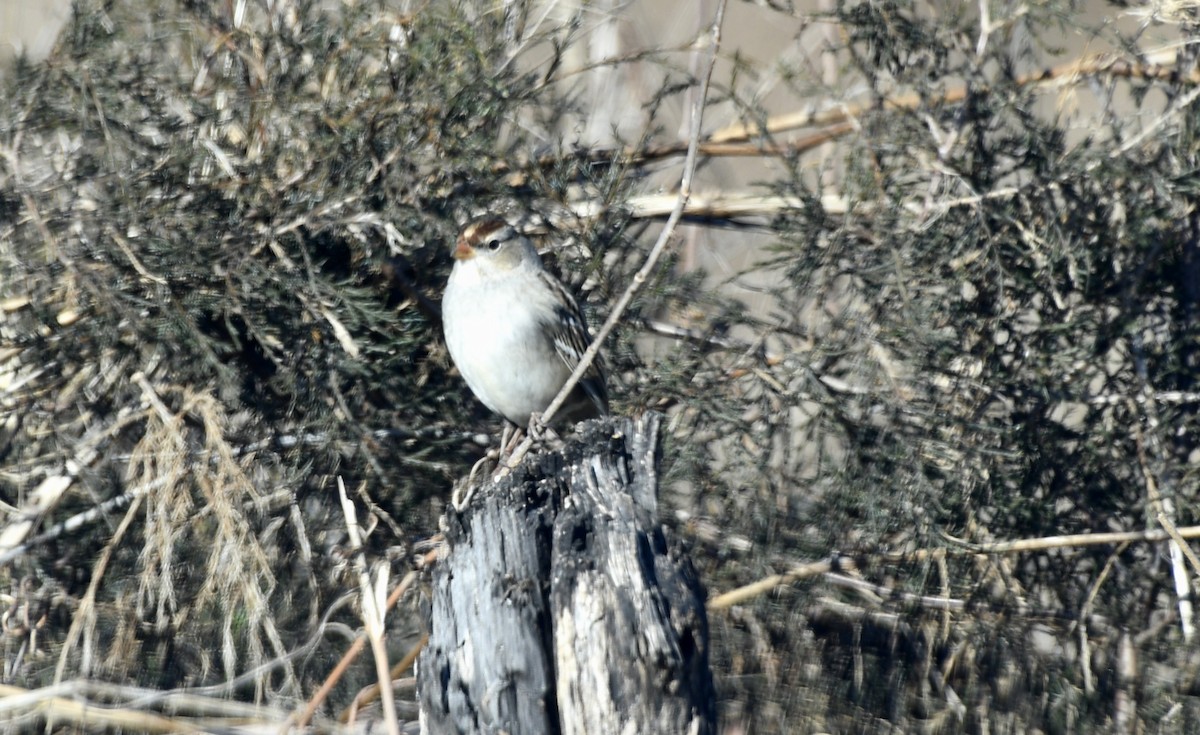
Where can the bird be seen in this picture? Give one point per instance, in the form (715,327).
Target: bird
(514,331)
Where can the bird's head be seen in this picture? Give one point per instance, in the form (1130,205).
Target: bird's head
(494,245)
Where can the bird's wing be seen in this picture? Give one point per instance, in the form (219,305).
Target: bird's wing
(571,340)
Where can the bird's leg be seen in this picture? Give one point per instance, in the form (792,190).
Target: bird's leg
(509,439)
(505,435)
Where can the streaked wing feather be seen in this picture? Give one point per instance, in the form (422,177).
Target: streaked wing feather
(571,340)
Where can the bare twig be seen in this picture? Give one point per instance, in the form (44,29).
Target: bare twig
(825,569)
(1051,542)
(721,205)
(826,566)
(947,604)
(1163,510)
(59,702)
(741,594)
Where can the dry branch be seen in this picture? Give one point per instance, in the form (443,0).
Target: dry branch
(827,567)
(836,120)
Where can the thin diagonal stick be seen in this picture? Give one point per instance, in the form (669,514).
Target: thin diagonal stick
(660,246)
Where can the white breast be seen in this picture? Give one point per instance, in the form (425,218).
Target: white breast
(498,344)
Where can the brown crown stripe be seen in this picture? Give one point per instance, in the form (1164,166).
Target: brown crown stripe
(480,229)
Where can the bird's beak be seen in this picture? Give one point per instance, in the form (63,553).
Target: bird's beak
(462,251)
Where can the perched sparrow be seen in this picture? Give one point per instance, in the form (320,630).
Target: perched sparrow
(513,330)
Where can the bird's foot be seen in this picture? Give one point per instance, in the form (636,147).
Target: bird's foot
(539,432)
(509,439)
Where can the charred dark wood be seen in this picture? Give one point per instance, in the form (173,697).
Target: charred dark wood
(561,606)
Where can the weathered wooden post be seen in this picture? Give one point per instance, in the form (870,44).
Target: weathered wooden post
(561,607)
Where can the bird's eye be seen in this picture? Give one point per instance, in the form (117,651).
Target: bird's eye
(493,244)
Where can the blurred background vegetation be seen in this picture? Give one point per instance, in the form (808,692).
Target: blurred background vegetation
(935,308)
